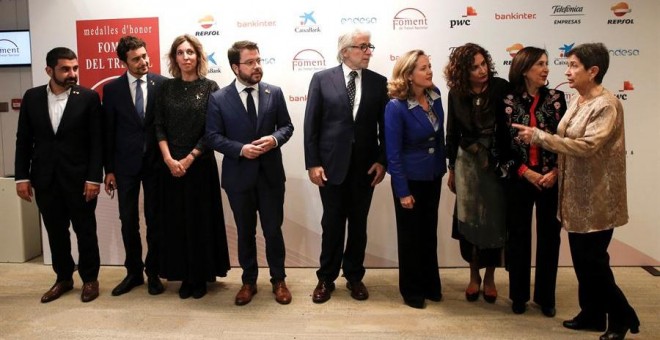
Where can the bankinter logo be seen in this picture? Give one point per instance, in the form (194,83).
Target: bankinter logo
(620,9)
(409,19)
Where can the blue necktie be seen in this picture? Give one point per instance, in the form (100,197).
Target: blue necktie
(251,108)
(139,98)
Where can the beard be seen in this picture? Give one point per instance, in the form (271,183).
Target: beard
(66,83)
(250,79)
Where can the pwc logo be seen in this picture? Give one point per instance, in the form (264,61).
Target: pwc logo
(207,22)
(409,19)
(513,50)
(308,60)
(627,87)
(469,12)
(619,10)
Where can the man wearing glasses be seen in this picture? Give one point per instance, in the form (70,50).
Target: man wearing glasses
(248,122)
(132,157)
(345,157)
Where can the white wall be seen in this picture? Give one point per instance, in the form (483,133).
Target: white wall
(446,26)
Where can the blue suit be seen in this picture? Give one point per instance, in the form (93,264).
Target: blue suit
(131,153)
(252,184)
(416,162)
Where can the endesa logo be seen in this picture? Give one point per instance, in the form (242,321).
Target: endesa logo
(469,12)
(627,87)
(619,10)
(358,20)
(308,60)
(513,50)
(307,24)
(409,19)
(624,52)
(207,22)
(562,54)
(570,14)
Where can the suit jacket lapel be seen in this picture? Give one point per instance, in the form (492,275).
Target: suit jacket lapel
(339,83)
(237,106)
(126,93)
(151,97)
(42,102)
(264,102)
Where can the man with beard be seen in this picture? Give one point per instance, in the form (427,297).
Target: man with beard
(132,157)
(59,154)
(250,130)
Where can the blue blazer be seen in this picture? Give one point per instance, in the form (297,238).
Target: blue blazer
(128,140)
(228,128)
(414,150)
(333,137)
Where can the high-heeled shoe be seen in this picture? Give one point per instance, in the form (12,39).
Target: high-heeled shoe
(615,332)
(490,294)
(472,294)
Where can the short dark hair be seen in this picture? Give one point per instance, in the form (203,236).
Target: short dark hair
(128,43)
(59,53)
(234,52)
(521,63)
(592,54)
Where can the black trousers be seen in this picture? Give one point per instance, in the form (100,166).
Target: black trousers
(61,207)
(598,293)
(346,202)
(268,200)
(417,241)
(128,194)
(522,200)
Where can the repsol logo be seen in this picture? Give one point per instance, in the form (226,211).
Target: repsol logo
(206,33)
(620,21)
(459,22)
(359,20)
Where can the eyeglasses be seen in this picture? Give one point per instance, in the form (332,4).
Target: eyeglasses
(364,47)
(252,62)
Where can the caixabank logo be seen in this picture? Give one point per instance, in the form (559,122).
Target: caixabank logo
(409,19)
(567,14)
(624,92)
(620,11)
(213,66)
(208,25)
(512,50)
(465,19)
(308,60)
(307,23)
(563,49)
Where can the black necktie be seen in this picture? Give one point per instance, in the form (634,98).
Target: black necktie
(351,88)
(139,99)
(251,108)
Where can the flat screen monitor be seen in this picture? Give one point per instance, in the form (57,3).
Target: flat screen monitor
(15,48)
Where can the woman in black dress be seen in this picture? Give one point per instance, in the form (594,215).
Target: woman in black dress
(477,150)
(194,241)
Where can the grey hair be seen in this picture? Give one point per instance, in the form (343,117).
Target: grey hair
(346,40)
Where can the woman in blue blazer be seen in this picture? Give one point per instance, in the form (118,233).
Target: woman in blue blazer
(414,143)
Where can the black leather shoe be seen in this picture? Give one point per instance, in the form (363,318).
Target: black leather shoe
(323,291)
(434,297)
(198,290)
(614,335)
(518,307)
(358,290)
(154,286)
(548,311)
(128,283)
(581,323)
(415,302)
(186,290)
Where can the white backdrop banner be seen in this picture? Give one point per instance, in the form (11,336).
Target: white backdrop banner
(297,38)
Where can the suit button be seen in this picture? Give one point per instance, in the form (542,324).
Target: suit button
(431,139)
(431,150)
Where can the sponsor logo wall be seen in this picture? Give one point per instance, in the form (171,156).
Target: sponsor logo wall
(300,39)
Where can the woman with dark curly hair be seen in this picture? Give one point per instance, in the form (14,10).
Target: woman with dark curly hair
(477,148)
(533,182)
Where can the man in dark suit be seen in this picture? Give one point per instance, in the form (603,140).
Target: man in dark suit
(59,153)
(345,157)
(132,158)
(250,130)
